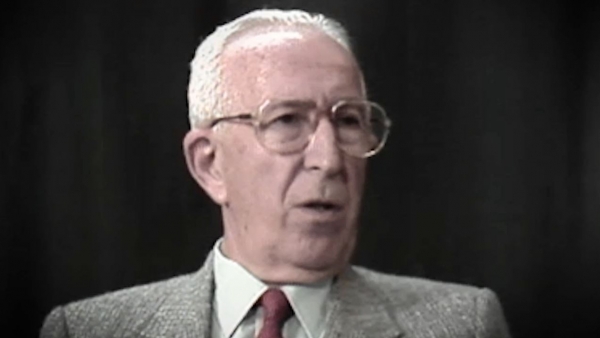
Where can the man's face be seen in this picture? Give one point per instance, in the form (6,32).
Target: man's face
(278,216)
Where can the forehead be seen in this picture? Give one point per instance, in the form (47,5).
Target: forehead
(288,64)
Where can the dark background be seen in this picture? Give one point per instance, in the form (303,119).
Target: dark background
(491,176)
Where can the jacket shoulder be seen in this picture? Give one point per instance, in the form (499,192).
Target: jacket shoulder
(434,305)
(113,312)
(412,287)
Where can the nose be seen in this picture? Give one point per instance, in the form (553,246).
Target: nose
(323,153)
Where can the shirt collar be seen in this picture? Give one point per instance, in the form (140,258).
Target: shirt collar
(308,302)
(233,302)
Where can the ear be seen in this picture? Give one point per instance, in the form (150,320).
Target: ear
(200,152)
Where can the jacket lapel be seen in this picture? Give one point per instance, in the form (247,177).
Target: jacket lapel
(357,310)
(187,311)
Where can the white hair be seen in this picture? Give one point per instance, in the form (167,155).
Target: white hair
(205,96)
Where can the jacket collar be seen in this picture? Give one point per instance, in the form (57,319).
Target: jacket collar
(187,310)
(355,309)
(358,310)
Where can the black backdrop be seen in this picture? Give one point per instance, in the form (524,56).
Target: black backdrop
(491,175)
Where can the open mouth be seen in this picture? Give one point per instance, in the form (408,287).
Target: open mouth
(322,206)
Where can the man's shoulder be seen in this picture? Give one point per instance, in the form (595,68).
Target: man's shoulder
(414,293)
(435,305)
(410,285)
(135,297)
(113,311)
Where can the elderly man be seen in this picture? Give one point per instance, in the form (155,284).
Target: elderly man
(281,132)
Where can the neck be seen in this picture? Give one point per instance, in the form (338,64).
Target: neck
(273,272)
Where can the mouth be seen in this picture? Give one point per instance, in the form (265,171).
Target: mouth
(322,206)
(322,212)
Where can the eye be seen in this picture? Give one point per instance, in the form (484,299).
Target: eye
(349,121)
(284,126)
(349,118)
(287,118)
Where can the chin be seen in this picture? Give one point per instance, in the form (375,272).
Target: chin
(324,260)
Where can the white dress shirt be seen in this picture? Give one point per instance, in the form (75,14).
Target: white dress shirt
(237,290)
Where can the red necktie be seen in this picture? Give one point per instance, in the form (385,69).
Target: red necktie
(277,310)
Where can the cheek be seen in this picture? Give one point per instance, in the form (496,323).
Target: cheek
(256,178)
(356,175)
(274,179)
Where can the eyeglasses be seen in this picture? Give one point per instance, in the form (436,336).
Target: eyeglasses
(285,127)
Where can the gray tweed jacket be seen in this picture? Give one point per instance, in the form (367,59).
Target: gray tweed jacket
(362,303)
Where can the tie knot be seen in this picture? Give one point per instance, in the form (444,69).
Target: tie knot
(275,306)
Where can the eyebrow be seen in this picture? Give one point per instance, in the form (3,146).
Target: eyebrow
(311,104)
(295,103)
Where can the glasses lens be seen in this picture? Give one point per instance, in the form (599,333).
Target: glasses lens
(362,127)
(285,126)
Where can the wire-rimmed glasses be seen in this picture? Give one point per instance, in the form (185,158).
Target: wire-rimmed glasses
(287,126)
